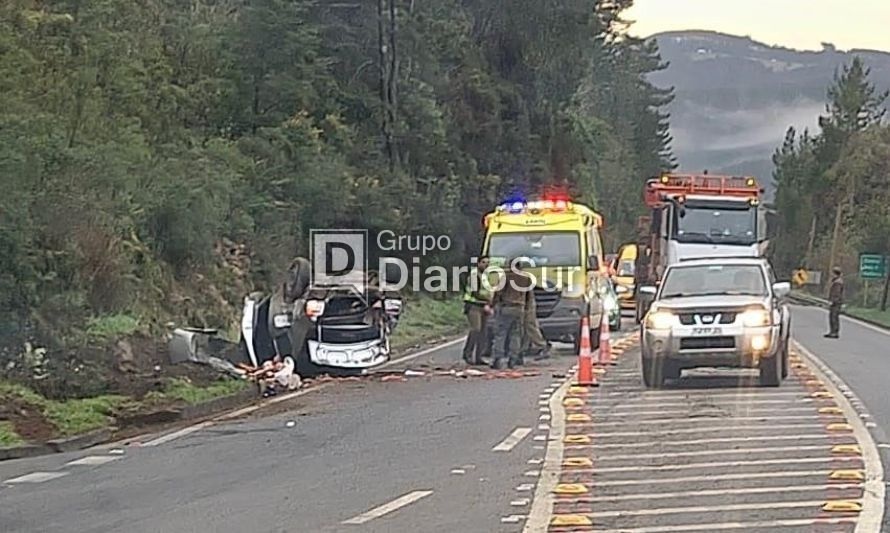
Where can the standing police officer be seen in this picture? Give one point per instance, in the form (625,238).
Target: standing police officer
(477,307)
(509,309)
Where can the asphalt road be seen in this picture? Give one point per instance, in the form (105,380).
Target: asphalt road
(455,454)
(330,457)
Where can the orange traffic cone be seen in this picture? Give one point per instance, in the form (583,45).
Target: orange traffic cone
(605,343)
(586,376)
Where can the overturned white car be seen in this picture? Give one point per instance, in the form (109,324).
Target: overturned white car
(323,329)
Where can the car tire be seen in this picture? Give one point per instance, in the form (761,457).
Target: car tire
(653,373)
(771,371)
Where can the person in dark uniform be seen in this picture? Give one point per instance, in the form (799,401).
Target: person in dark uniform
(509,309)
(477,308)
(836,299)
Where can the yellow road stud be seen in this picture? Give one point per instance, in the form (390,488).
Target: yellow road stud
(847,475)
(577,462)
(570,489)
(570,520)
(831,411)
(846,449)
(814,383)
(576,439)
(839,427)
(580,391)
(842,506)
(573,402)
(577,417)
(821,394)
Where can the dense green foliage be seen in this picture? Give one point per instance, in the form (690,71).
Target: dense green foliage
(833,192)
(148,148)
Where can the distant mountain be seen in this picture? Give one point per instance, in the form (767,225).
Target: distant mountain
(736,97)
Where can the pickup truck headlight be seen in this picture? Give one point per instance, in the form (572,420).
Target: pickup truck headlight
(660,320)
(753,318)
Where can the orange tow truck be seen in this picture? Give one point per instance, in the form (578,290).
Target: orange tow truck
(694,216)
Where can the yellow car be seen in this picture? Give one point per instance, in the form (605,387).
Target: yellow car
(623,267)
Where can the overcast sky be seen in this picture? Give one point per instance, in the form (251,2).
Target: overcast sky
(802,24)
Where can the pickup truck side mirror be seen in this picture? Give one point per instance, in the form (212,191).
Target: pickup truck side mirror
(782,289)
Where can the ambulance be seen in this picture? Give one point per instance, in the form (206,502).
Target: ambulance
(563,241)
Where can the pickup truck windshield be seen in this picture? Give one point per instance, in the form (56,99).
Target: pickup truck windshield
(557,248)
(707,280)
(717,225)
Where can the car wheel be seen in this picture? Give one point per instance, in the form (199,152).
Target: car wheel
(771,371)
(653,373)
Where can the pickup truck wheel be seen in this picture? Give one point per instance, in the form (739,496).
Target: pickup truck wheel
(653,373)
(771,371)
(785,359)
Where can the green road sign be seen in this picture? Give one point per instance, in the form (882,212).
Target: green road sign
(872,266)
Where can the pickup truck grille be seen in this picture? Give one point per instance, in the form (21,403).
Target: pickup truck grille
(545,302)
(707,343)
(691,319)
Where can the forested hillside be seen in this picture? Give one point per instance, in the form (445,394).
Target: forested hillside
(833,194)
(736,96)
(159,158)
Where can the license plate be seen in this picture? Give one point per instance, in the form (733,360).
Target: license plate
(706,332)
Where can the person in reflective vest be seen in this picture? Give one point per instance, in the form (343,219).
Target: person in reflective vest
(477,308)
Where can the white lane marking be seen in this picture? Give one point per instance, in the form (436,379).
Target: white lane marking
(728,464)
(514,438)
(634,406)
(93,460)
(762,524)
(532,473)
(525,487)
(542,503)
(697,442)
(521,502)
(544,418)
(663,432)
(709,509)
(713,452)
(36,477)
(872,514)
(866,325)
(706,412)
(421,353)
(721,492)
(178,434)
(458,471)
(745,393)
(387,508)
(718,477)
(512,519)
(707,420)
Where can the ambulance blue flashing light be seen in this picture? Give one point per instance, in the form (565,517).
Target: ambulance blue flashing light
(522,206)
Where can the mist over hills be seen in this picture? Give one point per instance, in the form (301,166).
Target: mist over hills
(736,97)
